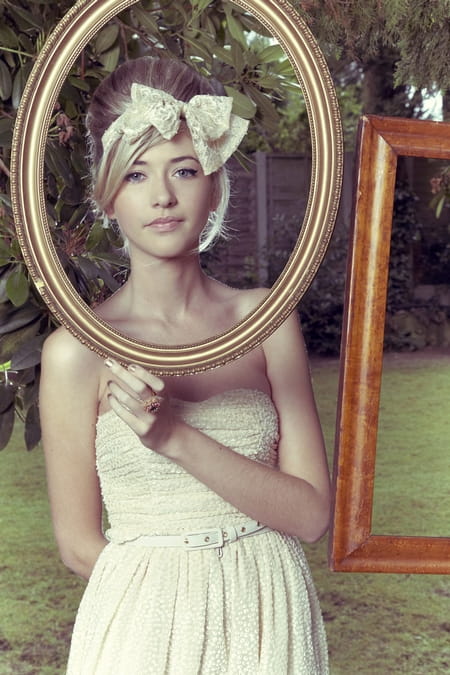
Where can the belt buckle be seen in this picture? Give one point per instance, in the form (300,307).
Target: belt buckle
(205,539)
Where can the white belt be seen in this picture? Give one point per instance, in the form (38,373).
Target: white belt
(215,537)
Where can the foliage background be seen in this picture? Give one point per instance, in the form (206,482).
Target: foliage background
(384,57)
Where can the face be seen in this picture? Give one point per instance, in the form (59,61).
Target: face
(164,201)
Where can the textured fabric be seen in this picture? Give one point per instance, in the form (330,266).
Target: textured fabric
(216,132)
(160,611)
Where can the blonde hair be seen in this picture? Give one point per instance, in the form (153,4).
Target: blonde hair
(111,99)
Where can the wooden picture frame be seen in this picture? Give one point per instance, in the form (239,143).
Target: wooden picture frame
(352,546)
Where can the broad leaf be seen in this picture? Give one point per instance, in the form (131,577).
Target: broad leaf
(32,427)
(110,59)
(7,395)
(6,130)
(5,81)
(271,53)
(6,426)
(235,27)
(200,5)
(29,354)
(12,342)
(17,286)
(106,38)
(8,37)
(242,105)
(12,319)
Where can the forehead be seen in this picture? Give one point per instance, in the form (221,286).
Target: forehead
(179,147)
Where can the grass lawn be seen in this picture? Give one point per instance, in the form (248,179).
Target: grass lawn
(376,623)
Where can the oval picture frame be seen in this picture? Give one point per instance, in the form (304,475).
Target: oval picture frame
(61,49)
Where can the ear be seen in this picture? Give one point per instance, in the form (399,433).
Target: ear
(110,212)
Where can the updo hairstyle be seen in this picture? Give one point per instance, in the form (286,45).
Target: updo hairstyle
(111,99)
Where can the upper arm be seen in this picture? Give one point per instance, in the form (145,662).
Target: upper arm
(68,410)
(301,448)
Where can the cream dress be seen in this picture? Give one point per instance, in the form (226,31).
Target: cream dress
(169,611)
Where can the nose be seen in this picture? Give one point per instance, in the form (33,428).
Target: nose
(162,193)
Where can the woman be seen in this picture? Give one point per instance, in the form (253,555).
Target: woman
(208,479)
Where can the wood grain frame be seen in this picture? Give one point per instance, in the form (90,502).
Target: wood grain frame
(352,546)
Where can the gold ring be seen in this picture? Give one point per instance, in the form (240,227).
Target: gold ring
(152,404)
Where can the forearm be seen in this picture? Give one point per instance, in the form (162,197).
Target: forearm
(279,500)
(81,557)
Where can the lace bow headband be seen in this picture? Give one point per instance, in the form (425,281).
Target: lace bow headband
(216,132)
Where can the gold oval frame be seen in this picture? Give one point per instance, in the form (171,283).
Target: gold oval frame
(71,34)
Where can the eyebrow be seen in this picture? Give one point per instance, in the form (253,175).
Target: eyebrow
(174,160)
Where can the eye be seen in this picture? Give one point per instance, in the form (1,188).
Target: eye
(134,177)
(186,172)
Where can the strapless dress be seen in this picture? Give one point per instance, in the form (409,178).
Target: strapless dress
(146,610)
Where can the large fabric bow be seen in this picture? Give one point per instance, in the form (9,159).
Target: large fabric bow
(216,132)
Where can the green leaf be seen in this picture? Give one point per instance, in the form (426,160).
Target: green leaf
(224,55)
(106,38)
(73,194)
(7,396)
(253,25)
(284,68)
(198,48)
(199,6)
(6,426)
(264,104)
(10,60)
(78,83)
(95,236)
(19,82)
(110,59)
(29,354)
(440,206)
(239,60)
(235,28)
(268,82)
(88,268)
(8,38)
(58,162)
(146,20)
(27,18)
(32,427)
(5,253)
(242,105)
(271,53)
(26,43)
(17,286)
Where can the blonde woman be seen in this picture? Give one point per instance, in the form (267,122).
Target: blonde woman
(211,480)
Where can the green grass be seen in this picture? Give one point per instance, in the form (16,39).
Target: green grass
(376,623)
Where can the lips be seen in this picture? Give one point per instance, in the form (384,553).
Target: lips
(165,224)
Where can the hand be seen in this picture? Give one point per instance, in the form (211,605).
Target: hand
(138,398)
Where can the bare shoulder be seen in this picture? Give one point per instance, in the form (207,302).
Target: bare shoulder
(63,350)
(243,301)
(250,298)
(70,380)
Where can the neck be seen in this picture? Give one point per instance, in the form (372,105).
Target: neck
(164,289)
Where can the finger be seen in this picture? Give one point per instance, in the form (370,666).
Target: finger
(139,426)
(138,380)
(125,398)
(152,381)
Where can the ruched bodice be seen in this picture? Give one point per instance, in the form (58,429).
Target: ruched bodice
(248,608)
(145,493)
